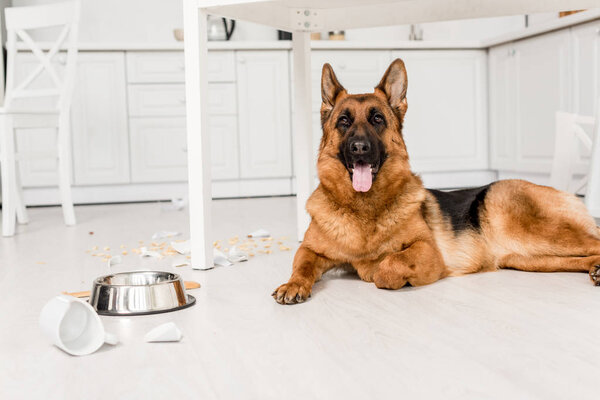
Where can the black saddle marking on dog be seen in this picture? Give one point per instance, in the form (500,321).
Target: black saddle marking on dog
(463,206)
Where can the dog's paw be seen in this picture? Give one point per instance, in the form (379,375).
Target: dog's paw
(291,293)
(595,275)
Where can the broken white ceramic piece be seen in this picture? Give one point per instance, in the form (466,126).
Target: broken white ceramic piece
(259,233)
(164,234)
(168,332)
(176,204)
(144,252)
(181,247)
(115,260)
(220,259)
(236,255)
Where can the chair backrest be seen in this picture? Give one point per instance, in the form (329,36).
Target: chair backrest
(569,135)
(20,21)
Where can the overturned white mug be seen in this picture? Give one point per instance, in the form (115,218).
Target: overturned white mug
(74,326)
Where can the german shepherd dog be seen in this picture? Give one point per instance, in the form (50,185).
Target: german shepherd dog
(370,213)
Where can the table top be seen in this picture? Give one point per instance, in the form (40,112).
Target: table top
(319,15)
(548,26)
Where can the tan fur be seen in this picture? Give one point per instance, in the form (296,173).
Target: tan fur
(396,233)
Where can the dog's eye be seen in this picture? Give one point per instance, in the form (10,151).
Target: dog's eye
(377,119)
(344,121)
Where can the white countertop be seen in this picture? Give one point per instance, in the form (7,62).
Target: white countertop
(549,26)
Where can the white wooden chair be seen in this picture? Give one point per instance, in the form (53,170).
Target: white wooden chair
(20,21)
(569,136)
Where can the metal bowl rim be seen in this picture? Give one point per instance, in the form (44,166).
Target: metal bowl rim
(191,300)
(98,281)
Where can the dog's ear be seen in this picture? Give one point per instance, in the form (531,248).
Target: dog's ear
(394,84)
(330,89)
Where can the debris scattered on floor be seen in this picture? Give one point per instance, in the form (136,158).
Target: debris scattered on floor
(91,233)
(259,233)
(164,234)
(144,252)
(176,204)
(181,247)
(114,261)
(236,255)
(168,332)
(220,259)
(226,251)
(180,263)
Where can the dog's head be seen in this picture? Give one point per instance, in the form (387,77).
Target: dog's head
(362,149)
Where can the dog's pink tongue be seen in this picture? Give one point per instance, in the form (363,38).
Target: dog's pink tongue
(362,178)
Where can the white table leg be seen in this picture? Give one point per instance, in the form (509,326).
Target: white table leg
(302,128)
(198,136)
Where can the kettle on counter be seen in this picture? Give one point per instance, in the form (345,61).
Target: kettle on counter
(219,29)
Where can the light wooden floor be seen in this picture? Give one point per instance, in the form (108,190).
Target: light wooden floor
(501,335)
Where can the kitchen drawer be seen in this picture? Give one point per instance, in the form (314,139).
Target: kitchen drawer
(169,67)
(159,149)
(156,100)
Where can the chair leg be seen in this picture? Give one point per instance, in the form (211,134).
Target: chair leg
(7,164)
(22,217)
(64,169)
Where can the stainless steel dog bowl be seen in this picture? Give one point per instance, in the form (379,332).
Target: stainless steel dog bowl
(139,293)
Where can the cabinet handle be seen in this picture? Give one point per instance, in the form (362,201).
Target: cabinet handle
(242,61)
(598,31)
(182,101)
(182,67)
(342,66)
(62,60)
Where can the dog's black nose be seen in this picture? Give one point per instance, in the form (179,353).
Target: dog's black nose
(359,147)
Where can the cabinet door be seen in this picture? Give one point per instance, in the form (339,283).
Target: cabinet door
(541,89)
(99,115)
(264,114)
(502,93)
(445,127)
(359,71)
(586,79)
(38,167)
(158,149)
(168,100)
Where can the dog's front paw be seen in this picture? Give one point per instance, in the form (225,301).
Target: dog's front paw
(291,293)
(595,275)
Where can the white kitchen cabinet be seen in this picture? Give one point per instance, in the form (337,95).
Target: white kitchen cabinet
(169,66)
(99,124)
(264,114)
(158,149)
(99,120)
(445,128)
(224,147)
(533,82)
(502,93)
(38,167)
(155,100)
(586,78)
